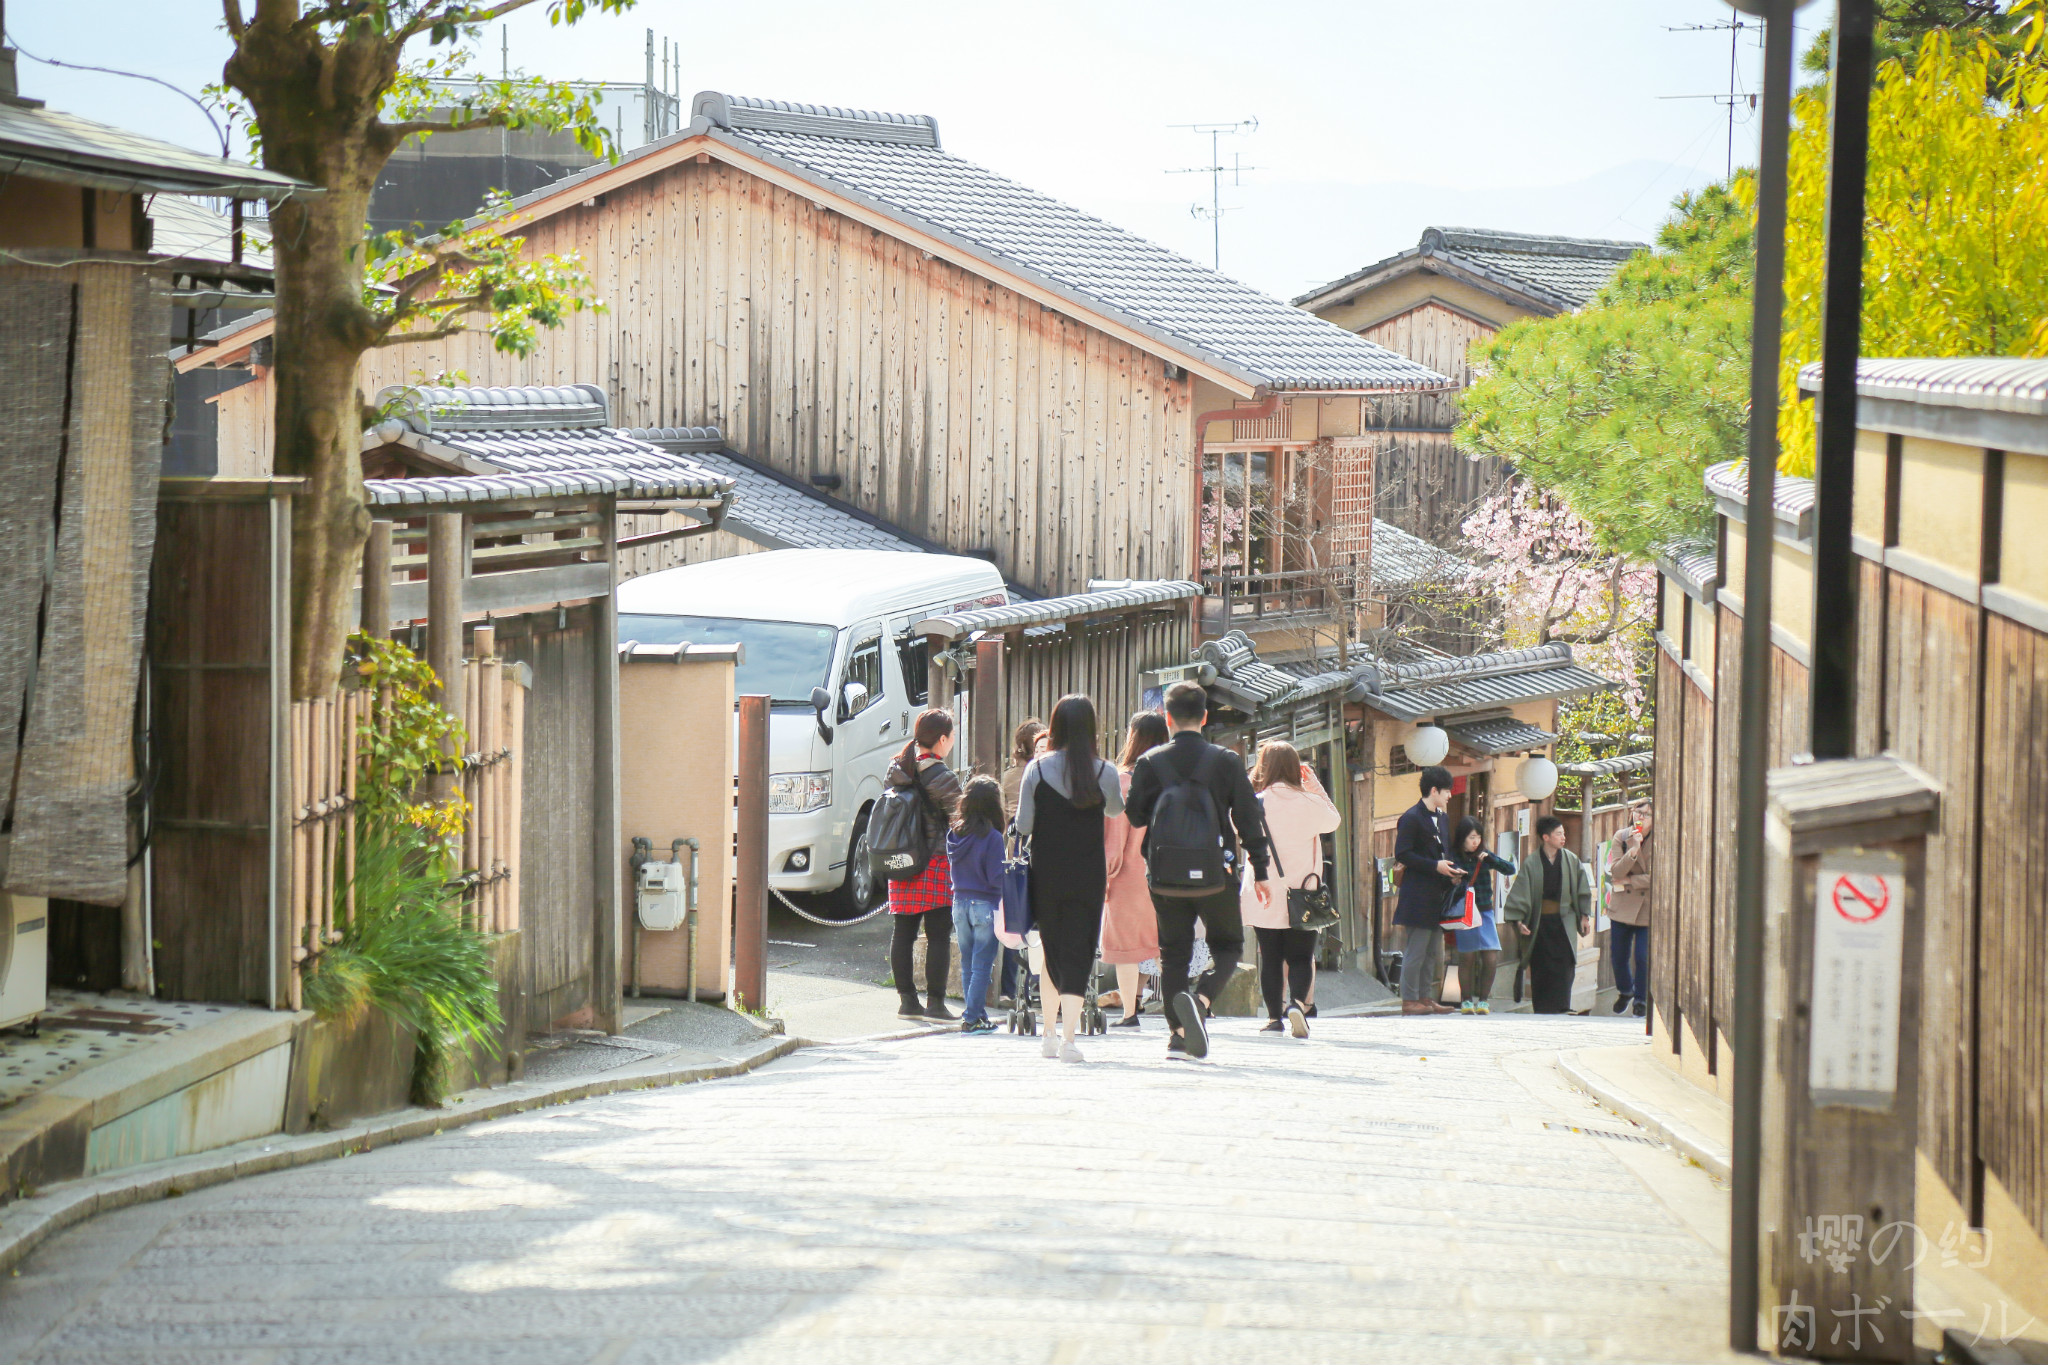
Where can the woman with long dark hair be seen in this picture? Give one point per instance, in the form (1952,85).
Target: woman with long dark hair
(1479,946)
(926,899)
(1130,928)
(1061,805)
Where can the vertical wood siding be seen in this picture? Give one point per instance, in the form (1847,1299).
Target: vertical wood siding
(1667,791)
(2012,1080)
(1427,486)
(1697,968)
(946,404)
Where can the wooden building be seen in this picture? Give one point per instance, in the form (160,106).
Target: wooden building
(966,359)
(1430,303)
(1952,675)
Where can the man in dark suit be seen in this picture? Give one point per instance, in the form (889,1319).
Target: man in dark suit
(1422,844)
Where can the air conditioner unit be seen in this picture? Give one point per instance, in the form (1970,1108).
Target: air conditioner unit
(24,955)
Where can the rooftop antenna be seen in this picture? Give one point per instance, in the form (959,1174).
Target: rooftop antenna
(1735,96)
(1214,170)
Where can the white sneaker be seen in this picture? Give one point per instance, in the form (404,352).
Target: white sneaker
(1070,1053)
(1050,1047)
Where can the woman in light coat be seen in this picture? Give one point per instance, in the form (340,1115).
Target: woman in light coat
(1130,929)
(1298,814)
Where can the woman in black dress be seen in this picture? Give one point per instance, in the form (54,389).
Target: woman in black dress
(1061,804)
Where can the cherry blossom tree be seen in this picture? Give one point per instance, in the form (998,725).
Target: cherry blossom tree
(1544,570)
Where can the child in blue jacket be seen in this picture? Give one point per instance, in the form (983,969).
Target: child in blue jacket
(974,846)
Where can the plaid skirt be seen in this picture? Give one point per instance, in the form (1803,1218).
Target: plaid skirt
(931,889)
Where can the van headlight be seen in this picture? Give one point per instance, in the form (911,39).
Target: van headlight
(795,793)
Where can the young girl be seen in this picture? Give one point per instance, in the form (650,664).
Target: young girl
(974,847)
(1478,947)
(1298,814)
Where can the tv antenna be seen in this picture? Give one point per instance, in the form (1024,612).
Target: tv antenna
(1736,95)
(1216,170)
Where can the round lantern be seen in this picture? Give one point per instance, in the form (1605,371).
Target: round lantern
(1428,745)
(1537,777)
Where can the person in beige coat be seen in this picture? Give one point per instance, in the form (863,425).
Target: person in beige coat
(1628,912)
(1298,814)
(1130,929)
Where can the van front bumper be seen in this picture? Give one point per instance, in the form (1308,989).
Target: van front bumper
(822,832)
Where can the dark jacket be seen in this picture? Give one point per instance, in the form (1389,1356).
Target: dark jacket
(1575,893)
(1418,847)
(1236,803)
(977,861)
(1488,861)
(941,794)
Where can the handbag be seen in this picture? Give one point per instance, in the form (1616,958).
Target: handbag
(1308,907)
(1017,885)
(1466,904)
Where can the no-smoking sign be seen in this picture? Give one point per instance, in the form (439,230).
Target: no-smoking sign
(1858,938)
(1861,897)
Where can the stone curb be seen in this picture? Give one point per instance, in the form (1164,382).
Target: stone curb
(28,1223)
(1682,1136)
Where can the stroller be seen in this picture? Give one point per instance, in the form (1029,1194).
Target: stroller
(1015,931)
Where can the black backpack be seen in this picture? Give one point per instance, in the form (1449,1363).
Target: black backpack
(1185,854)
(899,845)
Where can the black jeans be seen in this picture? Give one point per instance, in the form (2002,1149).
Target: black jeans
(1222,922)
(1293,950)
(938,952)
(1630,944)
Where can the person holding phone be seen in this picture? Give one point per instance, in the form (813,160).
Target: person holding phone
(1478,947)
(1628,913)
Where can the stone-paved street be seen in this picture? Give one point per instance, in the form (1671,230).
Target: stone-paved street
(1386,1191)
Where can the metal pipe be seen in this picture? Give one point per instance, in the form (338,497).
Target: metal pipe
(750,918)
(643,852)
(1754,732)
(690,911)
(1832,679)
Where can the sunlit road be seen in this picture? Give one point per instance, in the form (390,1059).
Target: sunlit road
(1387,1190)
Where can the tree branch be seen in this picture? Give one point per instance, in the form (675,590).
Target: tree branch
(441,333)
(463,14)
(399,132)
(231,13)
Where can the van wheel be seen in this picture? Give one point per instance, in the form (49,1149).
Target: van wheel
(862,890)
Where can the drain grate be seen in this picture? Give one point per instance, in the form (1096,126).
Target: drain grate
(1396,1126)
(1602,1133)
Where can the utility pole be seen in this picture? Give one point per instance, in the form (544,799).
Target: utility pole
(1736,95)
(1214,170)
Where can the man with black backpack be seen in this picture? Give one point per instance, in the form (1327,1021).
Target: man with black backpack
(1197,808)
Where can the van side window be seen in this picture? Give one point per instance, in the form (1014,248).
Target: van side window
(863,666)
(913,655)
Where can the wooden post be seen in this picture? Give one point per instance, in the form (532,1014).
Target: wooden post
(941,681)
(750,888)
(606,992)
(444,626)
(989,739)
(376,596)
(1844,898)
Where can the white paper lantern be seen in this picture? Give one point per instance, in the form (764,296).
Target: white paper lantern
(1428,745)
(1537,777)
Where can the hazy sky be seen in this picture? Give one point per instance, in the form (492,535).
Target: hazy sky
(1376,117)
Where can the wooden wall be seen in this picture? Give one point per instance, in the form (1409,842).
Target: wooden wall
(945,404)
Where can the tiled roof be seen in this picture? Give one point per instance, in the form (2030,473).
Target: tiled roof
(48,144)
(1080,606)
(1792,497)
(1562,272)
(1499,735)
(1994,384)
(1250,684)
(894,163)
(1402,560)
(549,442)
(1474,682)
(1693,563)
(1611,767)
(774,510)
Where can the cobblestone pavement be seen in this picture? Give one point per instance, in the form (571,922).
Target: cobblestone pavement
(1406,1190)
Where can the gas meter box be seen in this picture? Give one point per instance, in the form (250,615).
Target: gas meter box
(661,901)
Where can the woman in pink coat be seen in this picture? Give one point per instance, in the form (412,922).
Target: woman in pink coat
(1130,930)
(1298,814)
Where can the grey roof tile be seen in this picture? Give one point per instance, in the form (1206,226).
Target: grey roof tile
(1792,497)
(775,512)
(1612,766)
(49,144)
(1079,606)
(1565,272)
(1993,384)
(894,162)
(1693,563)
(1499,735)
(1402,560)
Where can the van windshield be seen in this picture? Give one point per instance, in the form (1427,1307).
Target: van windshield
(784,659)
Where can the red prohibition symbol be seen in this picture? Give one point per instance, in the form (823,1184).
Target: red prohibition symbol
(1861,899)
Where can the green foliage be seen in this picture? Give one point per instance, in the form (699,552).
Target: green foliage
(407,738)
(406,951)
(1597,725)
(1902,25)
(1954,259)
(1619,408)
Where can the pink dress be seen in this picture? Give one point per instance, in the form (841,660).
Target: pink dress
(1296,821)
(1130,931)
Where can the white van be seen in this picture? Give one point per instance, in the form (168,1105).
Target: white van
(826,636)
